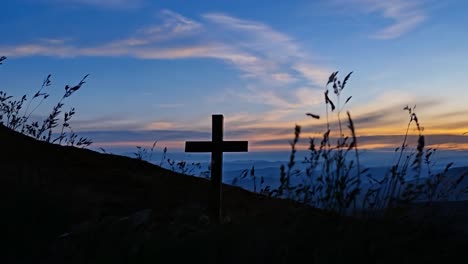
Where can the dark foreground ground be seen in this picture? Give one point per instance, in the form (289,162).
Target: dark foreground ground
(67,205)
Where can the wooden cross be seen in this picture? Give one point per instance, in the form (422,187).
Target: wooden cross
(217,146)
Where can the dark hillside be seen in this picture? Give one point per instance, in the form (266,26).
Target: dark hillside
(68,205)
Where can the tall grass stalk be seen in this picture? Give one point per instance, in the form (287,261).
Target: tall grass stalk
(11,117)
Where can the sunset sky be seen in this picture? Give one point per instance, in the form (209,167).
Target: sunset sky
(160,69)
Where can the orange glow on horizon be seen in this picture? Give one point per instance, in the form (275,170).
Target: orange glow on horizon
(255,146)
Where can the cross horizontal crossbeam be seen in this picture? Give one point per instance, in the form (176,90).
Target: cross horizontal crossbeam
(225,146)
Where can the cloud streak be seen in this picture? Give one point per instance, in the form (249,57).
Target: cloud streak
(260,52)
(176,138)
(278,72)
(404,16)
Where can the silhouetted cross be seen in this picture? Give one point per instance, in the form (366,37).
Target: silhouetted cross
(217,146)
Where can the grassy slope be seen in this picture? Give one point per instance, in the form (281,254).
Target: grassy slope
(48,190)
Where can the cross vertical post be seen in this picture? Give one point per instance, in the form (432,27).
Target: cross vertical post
(217,163)
(217,146)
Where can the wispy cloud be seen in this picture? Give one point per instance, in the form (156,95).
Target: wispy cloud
(54,41)
(150,42)
(173,26)
(160,41)
(273,129)
(266,38)
(275,52)
(273,63)
(112,122)
(403,15)
(258,51)
(259,139)
(316,75)
(266,58)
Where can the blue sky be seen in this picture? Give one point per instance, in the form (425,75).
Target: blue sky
(159,69)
